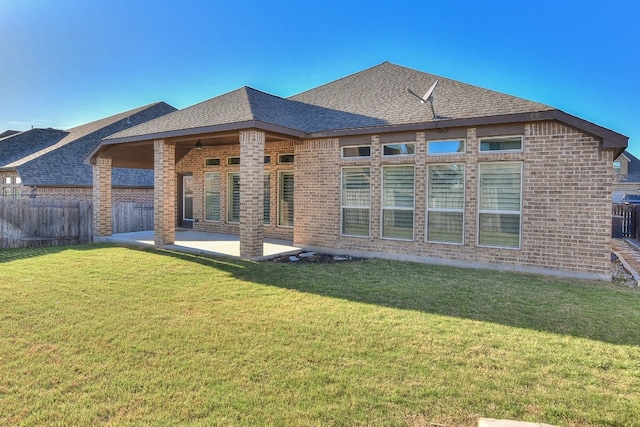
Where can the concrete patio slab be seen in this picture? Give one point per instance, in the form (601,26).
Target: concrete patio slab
(209,243)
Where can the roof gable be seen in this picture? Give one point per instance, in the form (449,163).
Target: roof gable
(61,164)
(381,92)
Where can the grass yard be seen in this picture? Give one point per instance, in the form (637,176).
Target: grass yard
(110,335)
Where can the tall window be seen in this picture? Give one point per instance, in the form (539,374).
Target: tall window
(397,202)
(356,201)
(285,199)
(233,197)
(267,199)
(500,205)
(212,196)
(445,203)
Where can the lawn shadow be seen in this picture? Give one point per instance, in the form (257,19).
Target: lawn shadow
(578,308)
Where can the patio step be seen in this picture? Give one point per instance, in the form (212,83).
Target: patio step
(490,422)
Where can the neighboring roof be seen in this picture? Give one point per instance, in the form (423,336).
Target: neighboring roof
(375,100)
(7,133)
(633,171)
(22,144)
(59,160)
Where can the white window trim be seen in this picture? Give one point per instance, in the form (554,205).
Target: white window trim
(463,210)
(280,173)
(395,156)
(382,207)
(342,207)
(485,211)
(219,196)
(286,154)
(460,153)
(342,156)
(520,150)
(230,197)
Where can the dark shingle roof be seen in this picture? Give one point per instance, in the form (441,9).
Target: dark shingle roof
(381,93)
(20,145)
(374,97)
(61,164)
(633,171)
(7,133)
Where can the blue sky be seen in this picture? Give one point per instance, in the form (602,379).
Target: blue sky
(69,62)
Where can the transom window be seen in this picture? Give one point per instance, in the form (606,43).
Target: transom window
(500,205)
(399,149)
(501,143)
(453,146)
(286,158)
(445,203)
(356,201)
(233,161)
(397,202)
(212,162)
(356,151)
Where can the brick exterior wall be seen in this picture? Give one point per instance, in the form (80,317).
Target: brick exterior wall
(194,163)
(566,207)
(102,225)
(164,203)
(251,193)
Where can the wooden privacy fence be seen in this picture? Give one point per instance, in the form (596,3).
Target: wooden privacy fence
(44,222)
(624,222)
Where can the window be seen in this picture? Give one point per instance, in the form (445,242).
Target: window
(356,201)
(285,199)
(17,192)
(445,204)
(446,147)
(17,180)
(501,143)
(399,149)
(356,151)
(267,160)
(397,202)
(285,158)
(212,196)
(7,180)
(7,192)
(233,197)
(231,161)
(617,167)
(211,162)
(267,199)
(500,204)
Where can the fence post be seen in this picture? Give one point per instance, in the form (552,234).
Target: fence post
(85,222)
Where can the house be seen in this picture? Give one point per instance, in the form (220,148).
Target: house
(626,169)
(49,162)
(471,177)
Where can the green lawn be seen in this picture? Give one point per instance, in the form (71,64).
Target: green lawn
(110,335)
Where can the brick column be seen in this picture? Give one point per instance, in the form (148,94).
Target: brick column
(251,193)
(102,225)
(164,193)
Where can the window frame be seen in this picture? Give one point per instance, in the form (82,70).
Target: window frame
(384,208)
(266,183)
(206,210)
(448,153)
(230,194)
(501,211)
(343,206)
(282,155)
(342,149)
(413,143)
(519,150)
(281,173)
(233,160)
(446,210)
(206,165)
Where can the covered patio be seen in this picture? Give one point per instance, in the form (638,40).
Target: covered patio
(203,243)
